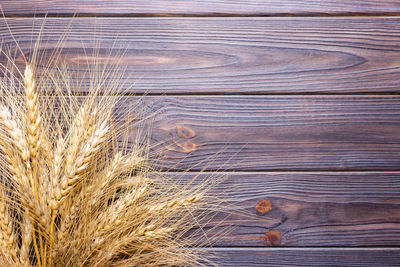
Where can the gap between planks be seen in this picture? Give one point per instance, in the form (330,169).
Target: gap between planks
(200,15)
(271,249)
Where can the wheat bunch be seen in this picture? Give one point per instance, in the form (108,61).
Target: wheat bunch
(73,194)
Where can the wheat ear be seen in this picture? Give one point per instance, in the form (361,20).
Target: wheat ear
(75,170)
(33,118)
(26,240)
(7,233)
(111,180)
(13,139)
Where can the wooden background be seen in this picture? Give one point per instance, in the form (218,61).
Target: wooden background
(296,100)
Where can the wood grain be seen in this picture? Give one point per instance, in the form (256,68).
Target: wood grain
(306,257)
(230,55)
(310,208)
(275,132)
(294,208)
(193,7)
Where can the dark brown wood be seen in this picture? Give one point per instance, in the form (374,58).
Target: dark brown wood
(275,132)
(252,7)
(309,208)
(306,257)
(232,55)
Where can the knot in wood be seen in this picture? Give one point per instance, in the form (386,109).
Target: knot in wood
(189,147)
(185,132)
(263,207)
(273,238)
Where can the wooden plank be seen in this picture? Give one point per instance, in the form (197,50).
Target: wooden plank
(309,209)
(307,257)
(196,7)
(275,132)
(232,55)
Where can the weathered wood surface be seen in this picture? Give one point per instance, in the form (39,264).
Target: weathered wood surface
(302,209)
(294,148)
(275,132)
(372,257)
(233,55)
(199,7)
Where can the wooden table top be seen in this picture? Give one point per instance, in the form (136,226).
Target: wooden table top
(296,102)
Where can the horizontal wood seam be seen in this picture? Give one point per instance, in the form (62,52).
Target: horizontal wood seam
(271,249)
(201,15)
(248,94)
(222,94)
(349,172)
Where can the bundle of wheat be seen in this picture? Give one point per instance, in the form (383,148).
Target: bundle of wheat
(73,194)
